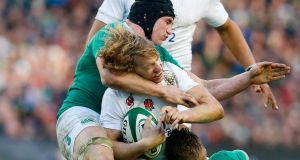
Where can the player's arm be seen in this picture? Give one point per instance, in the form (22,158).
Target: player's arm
(109,11)
(234,40)
(129,82)
(97,25)
(129,151)
(262,72)
(217,17)
(236,43)
(207,109)
(133,83)
(232,36)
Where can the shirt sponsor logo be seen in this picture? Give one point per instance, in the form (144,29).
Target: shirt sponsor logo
(86,120)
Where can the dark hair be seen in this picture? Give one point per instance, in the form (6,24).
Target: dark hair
(184,145)
(146,12)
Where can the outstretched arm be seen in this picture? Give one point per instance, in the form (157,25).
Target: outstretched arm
(234,40)
(262,72)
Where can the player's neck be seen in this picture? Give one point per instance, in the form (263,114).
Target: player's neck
(135,28)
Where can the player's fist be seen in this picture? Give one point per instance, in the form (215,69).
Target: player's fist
(171,115)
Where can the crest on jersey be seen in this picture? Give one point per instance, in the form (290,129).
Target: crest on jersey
(149,105)
(130,100)
(170,78)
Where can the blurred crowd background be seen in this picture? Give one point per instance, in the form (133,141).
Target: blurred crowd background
(41,40)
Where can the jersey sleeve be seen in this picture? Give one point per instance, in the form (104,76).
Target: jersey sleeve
(165,56)
(185,82)
(111,11)
(98,41)
(215,15)
(112,111)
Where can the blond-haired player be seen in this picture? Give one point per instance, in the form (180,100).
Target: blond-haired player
(125,52)
(188,13)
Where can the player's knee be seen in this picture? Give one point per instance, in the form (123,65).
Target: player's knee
(92,143)
(98,152)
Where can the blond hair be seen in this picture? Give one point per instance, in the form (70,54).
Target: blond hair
(121,46)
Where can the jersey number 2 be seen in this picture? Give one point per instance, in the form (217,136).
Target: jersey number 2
(172,39)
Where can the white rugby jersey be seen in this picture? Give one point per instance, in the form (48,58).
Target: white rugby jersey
(188,13)
(116,103)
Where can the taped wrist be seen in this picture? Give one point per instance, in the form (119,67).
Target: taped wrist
(250,67)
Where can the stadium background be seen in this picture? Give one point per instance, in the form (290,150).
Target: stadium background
(40,41)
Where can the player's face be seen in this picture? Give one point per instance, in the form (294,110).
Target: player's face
(149,68)
(161,30)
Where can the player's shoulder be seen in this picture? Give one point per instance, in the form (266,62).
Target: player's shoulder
(168,66)
(126,4)
(99,38)
(102,33)
(114,93)
(179,3)
(114,2)
(230,155)
(113,25)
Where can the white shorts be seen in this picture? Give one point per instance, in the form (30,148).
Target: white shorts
(70,124)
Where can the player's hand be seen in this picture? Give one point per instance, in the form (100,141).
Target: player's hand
(269,98)
(176,96)
(171,115)
(152,136)
(264,72)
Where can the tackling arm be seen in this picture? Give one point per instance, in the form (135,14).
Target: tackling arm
(133,83)
(129,82)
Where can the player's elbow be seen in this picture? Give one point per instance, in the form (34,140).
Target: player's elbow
(219,111)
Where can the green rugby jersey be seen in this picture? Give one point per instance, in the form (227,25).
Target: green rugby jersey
(230,155)
(87,89)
